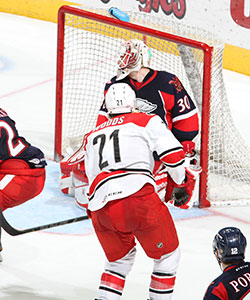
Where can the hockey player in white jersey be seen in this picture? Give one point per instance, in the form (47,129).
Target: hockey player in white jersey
(123,202)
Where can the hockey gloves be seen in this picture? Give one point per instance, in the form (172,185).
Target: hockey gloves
(180,195)
(188,148)
(190,153)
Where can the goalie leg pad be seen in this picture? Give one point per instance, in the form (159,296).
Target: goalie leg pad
(65,180)
(74,182)
(81,185)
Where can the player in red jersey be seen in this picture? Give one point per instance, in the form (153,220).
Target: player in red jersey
(157,92)
(22,167)
(234,283)
(123,203)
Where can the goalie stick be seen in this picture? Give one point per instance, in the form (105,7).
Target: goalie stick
(13,231)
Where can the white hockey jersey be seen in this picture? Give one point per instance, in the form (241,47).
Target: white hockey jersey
(119,156)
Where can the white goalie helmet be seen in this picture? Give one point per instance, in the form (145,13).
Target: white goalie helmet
(133,55)
(120,98)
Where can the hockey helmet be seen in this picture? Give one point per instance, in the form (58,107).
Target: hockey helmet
(120,98)
(133,55)
(229,244)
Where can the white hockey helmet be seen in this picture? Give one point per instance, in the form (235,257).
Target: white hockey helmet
(120,98)
(133,55)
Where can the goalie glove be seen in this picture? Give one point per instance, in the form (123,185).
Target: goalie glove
(188,148)
(180,195)
(190,153)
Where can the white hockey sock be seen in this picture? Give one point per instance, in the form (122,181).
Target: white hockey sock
(161,286)
(111,286)
(113,278)
(163,276)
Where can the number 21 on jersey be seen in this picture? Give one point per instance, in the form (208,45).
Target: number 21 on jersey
(101,140)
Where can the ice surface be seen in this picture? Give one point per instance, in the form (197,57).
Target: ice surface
(66,262)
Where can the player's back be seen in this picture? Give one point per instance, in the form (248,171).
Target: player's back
(237,281)
(119,155)
(232,284)
(14,146)
(120,143)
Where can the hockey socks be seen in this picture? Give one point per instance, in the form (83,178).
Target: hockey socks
(111,286)
(161,286)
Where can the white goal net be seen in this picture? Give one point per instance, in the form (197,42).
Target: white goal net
(87,57)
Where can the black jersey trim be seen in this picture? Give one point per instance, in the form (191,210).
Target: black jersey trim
(176,149)
(174,165)
(132,170)
(101,183)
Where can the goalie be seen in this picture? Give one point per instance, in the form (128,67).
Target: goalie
(123,203)
(157,92)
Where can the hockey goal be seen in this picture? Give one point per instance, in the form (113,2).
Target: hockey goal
(88,43)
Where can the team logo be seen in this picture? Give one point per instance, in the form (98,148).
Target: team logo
(145,106)
(176,82)
(159,245)
(34,161)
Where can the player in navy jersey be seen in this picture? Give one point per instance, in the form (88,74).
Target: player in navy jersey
(234,283)
(22,167)
(157,92)
(123,203)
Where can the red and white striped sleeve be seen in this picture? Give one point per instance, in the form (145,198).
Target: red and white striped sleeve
(168,148)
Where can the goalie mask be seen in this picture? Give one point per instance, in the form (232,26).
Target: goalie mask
(120,98)
(133,55)
(229,245)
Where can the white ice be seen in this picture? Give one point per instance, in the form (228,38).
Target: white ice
(66,263)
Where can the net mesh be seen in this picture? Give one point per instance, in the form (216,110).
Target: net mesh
(90,60)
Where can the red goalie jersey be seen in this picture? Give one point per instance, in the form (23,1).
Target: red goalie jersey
(124,145)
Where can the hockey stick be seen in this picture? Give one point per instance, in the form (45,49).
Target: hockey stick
(13,231)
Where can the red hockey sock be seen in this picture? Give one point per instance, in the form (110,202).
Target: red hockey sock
(161,286)
(111,286)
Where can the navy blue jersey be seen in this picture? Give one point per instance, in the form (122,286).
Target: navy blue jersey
(232,284)
(14,146)
(163,94)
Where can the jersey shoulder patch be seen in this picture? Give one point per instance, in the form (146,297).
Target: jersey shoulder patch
(176,83)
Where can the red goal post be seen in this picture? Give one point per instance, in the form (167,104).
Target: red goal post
(86,60)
